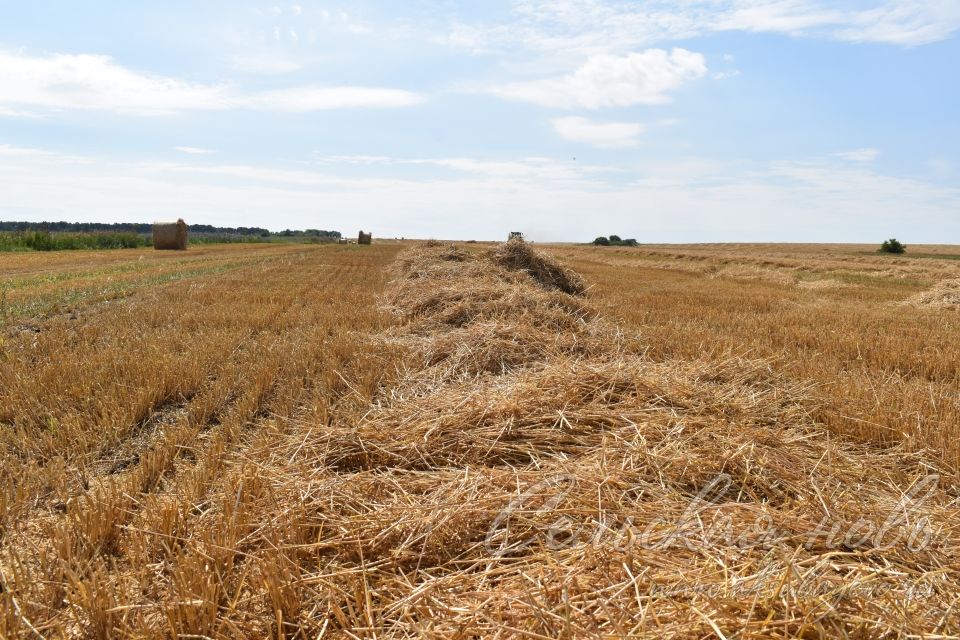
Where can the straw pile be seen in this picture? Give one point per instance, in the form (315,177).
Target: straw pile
(535,474)
(170,235)
(944,295)
(825,284)
(516,255)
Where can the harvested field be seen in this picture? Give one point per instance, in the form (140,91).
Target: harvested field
(463,441)
(943,295)
(879,371)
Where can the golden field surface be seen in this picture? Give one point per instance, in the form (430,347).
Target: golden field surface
(416,439)
(837,317)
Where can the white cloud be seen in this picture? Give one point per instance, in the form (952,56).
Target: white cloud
(723,75)
(296,9)
(14,113)
(859,155)
(359,29)
(10,151)
(264,62)
(515,171)
(693,200)
(612,81)
(95,82)
(605,135)
(904,22)
(589,27)
(319,98)
(195,151)
(356,160)
(778,16)
(519,170)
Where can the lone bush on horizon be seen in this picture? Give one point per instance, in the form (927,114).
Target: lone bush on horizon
(893,246)
(614,241)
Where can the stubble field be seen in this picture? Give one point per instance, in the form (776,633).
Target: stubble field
(417,439)
(876,336)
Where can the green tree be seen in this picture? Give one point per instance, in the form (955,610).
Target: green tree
(893,246)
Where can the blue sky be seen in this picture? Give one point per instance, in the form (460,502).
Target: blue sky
(693,121)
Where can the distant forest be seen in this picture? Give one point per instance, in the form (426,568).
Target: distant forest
(146,228)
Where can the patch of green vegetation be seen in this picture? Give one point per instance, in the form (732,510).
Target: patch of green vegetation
(56,302)
(51,303)
(42,240)
(133,266)
(893,246)
(47,241)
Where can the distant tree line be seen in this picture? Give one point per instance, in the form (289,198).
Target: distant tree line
(308,233)
(614,241)
(56,236)
(146,228)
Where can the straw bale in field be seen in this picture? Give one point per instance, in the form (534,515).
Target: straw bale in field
(170,235)
(365,238)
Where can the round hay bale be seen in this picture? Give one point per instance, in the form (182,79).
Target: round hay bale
(170,235)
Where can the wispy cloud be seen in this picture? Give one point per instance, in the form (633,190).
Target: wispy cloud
(615,26)
(264,63)
(605,135)
(612,81)
(521,170)
(16,113)
(95,82)
(903,22)
(859,155)
(319,98)
(195,151)
(354,160)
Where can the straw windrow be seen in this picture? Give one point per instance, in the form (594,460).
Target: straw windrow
(943,295)
(535,474)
